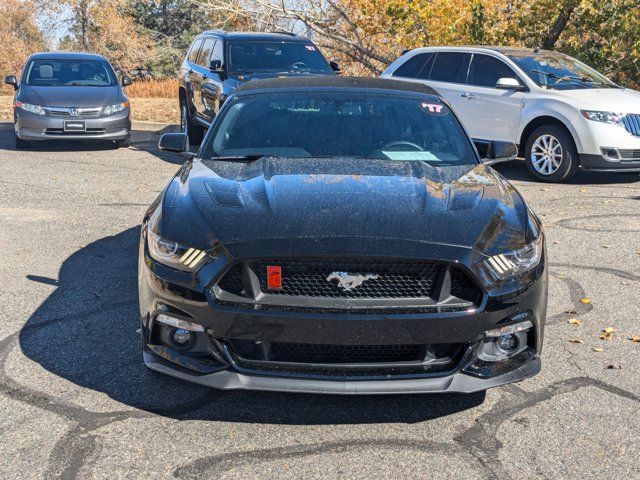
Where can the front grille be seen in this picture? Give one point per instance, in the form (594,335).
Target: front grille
(323,361)
(81,112)
(61,131)
(629,154)
(631,122)
(390,285)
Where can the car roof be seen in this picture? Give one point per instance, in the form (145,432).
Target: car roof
(61,55)
(257,36)
(335,81)
(479,48)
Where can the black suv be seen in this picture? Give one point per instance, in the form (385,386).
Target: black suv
(218,62)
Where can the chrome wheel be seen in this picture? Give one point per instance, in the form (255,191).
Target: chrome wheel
(546,154)
(184,119)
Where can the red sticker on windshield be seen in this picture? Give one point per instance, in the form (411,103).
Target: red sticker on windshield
(433,107)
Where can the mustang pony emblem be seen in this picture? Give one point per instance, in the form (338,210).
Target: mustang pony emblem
(348,281)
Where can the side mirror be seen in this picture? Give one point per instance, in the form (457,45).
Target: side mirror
(215,66)
(334,66)
(175,142)
(494,151)
(11,80)
(126,81)
(510,83)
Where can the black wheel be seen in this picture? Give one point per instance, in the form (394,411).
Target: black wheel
(124,143)
(22,143)
(550,154)
(194,131)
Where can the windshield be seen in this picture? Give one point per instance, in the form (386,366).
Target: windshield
(75,73)
(276,57)
(556,71)
(341,124)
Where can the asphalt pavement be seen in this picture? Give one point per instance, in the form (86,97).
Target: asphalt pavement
(77,402)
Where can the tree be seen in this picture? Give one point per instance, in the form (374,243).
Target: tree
(18,25)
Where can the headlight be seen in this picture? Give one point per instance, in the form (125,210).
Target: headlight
(30,108)
(604,117)
(118,107)
(516,262)
(173,254)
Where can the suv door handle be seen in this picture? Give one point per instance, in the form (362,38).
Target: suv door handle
(468,96)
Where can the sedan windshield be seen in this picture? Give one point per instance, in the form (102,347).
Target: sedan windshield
(402,127)
(559,72)
(70,73)
(276,57)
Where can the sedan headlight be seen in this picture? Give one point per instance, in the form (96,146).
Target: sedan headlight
(604,117)
(173,254)
(30,108)
(118,107)
(516,262)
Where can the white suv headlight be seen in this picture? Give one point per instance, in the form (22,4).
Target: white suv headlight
(516,262)
(173,254)
(30,108)
(118,107)
(604,117)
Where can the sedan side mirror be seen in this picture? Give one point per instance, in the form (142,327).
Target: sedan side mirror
(11,80)
(176,143)
(510,83)
(126,81)
(335,67)
(494,151)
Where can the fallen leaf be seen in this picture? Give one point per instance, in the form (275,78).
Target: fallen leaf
(613,367)
(635,339)
(609,330)
(555,242)
(575,321)
(560,276)
(571,311)
(624,283)
(576,340)
(585,300)
(607,333)
(598,349)
(606,246)
(583,190)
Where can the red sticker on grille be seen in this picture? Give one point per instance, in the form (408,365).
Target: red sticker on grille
(274,277)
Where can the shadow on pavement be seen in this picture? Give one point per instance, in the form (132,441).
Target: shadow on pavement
(516,170)
(85,332)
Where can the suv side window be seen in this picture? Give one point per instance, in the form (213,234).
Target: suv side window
(485,71)
(195,49)
(413,67)
(450,67)
(205,52)
(218,51)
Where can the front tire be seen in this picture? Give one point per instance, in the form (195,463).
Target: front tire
(194,131)
(550,154)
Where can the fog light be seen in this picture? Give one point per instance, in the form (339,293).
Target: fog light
(181,337)
(507,344)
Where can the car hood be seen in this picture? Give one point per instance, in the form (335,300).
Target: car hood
(72,96)
(331,199)
(622,100)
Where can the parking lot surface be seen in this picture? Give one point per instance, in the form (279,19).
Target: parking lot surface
(77,402)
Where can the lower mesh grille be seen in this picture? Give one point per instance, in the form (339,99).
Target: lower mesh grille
(309,353)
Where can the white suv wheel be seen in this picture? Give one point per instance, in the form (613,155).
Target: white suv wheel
(546,154)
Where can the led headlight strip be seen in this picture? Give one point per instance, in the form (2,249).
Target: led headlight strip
(501,264)
(192,257)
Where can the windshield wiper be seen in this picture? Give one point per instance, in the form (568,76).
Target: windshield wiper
(572,77)
(242,158)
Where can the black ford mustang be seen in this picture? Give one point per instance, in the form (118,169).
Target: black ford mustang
(340,235)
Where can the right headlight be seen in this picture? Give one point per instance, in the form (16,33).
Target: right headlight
(516,262)
(118,107)
(604,117)
(173,254)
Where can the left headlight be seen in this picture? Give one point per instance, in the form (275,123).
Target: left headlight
(118,107)
(175,255)
(604,117)
(30,108)
(516,262)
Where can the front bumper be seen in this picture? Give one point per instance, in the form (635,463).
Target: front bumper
(189,297)
(628,163)
(34,127)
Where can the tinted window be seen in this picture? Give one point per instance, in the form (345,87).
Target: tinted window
(218,51)
(485,71)
(205,52)
(450,67)
(412,67)
(276,57)
(50,73)
(336,124)
(195,49)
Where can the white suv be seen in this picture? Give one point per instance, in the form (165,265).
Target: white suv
(562,114)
